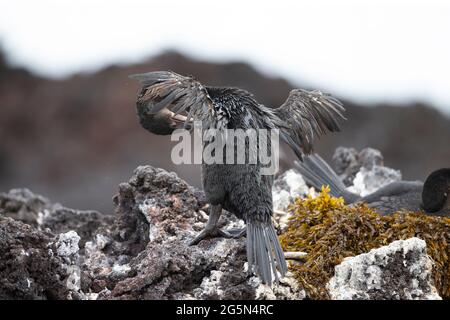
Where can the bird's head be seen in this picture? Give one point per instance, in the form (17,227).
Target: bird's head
(167,101)
(162,123)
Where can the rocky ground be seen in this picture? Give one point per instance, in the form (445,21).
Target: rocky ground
(48,251)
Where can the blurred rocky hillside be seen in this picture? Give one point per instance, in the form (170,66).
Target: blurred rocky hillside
(75,139)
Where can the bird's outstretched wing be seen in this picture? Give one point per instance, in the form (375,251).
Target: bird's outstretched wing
(305,115)
(169,90)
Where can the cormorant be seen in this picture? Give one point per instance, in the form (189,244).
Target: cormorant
(166,98)
(432,196)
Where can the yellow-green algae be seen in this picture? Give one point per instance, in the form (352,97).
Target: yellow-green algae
(328,230)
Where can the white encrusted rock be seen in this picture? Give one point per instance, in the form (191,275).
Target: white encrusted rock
(67,250)
(370,180)
(67,244)
(210,286)
(400,270)
(287,289)
(286,188)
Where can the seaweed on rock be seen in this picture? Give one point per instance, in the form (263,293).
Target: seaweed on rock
(328,230)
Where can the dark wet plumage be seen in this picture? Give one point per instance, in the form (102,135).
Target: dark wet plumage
(238,188)
(432,197)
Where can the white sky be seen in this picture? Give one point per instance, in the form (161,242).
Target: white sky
(381,50)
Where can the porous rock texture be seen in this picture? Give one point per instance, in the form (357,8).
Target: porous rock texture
(141,252)
(40,246)
(400,270)
(29,268)
(146,254)
(35,210)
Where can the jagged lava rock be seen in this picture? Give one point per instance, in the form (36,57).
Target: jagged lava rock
(40,243)
(23,205)
(141,252)
(146,255)
(35,210)
(400,270)
(29,267)
(85,222)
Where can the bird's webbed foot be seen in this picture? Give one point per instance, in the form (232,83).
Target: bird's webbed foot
(234,233)
(208,233)
(216,232)
(211,230)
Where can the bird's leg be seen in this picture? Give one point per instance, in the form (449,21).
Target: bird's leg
(211,230)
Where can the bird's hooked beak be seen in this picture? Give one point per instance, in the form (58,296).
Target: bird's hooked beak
(178,118)
(163,122)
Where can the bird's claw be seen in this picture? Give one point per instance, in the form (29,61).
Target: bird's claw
(205,233)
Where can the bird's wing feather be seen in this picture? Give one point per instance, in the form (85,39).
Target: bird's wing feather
(305,115)
(165,89)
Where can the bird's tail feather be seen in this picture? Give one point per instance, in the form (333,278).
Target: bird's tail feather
(264,253)
(317,173)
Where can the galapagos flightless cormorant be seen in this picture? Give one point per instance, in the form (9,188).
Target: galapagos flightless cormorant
(168,101)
